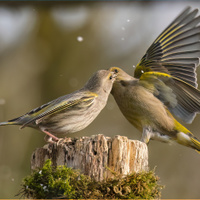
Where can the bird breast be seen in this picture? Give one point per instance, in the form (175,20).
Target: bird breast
(142,108)
(72,120)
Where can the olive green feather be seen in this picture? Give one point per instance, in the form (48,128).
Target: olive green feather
(54,107)
(176,51)
(181,98)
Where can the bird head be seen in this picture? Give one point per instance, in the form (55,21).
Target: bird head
(121,75)
(101,81)
(122,80)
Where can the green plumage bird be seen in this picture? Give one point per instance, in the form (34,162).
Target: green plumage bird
(164,84)
(72,112)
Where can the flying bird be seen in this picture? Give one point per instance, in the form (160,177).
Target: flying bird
(164,84)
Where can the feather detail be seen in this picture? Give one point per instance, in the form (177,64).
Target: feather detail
(65,104)
(182,99)
(175,49)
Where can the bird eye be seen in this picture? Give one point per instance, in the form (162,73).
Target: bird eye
(110,77)
(116,71)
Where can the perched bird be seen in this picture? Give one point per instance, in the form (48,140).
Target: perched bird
(164,84)
(72,112)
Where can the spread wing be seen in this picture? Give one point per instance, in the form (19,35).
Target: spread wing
(182,99)
(66,102)
(176,51)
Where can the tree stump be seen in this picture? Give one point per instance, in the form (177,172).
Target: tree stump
(94,155)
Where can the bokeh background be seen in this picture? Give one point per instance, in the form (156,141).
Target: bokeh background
(51,49)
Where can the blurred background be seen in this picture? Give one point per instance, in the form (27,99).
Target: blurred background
(51,49)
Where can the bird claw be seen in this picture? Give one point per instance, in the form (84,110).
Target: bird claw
(51,140)
(63,141)
(57,141)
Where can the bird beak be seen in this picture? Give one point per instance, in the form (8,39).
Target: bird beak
(114,75)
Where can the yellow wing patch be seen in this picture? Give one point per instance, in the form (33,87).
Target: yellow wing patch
(157,74)
(52,109)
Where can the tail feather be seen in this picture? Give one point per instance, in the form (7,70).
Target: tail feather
(7,123)
(196,143)
(188,139)
(16,121)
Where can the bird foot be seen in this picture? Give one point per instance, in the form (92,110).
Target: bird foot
(63,141)
(51,140)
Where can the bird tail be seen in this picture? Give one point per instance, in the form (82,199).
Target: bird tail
(196,143)
(16,121)
(189,140)
(8,123)
(4,123)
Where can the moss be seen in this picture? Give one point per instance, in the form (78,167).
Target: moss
(62,182)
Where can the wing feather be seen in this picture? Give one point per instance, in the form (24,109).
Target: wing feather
(182,99)
(58,105)
(175,49)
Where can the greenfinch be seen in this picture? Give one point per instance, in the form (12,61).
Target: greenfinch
(164,84)
(72,112)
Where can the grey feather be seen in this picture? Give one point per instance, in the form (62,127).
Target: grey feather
(72,112)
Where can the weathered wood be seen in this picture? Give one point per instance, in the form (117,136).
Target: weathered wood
(92,155)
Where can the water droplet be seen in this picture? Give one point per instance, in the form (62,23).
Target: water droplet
(80,39)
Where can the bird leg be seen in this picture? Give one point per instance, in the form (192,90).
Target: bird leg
(50,138)
(146,135)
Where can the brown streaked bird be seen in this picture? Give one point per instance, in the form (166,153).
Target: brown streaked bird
(72,112)
(164,84)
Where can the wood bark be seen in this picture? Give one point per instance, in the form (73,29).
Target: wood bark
(94,155)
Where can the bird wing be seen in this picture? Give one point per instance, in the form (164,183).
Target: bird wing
(181,98)
(84,99)
(176,51)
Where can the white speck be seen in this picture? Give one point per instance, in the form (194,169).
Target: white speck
(128,20)
(123,28)
(133,66)
(45,188)
(41,184)
(12,179)
(122,38)
(27,187)
(40,172)
(80,39)
(142,71)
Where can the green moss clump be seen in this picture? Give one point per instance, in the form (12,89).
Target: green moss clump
(62,182)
